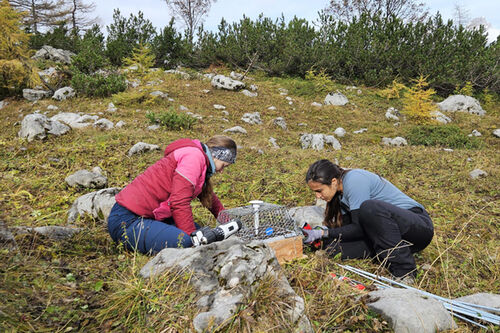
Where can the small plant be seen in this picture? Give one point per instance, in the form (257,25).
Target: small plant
(466,90)
(322,82)
(98,85)
(171,120)
(487,98)
(417,103)
(446,136)
(142,57)
(394,90)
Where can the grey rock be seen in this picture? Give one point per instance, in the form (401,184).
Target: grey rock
(236,76)
(477,173)
(392,114)
(74,120)
(340,132)
(283,91)
(475,133)
(158,93)
(3,104)
(7,239)
(252,118)
(314,215)
(337,98)
(224,82)
(142,147)
(48,52)
(219,107)
(183,108)
(253,87)
(362,130)
(104,124)
(272,108)
(87,179)
(36,126)
(97,204)
(64,93)
(236,129)
(182,74)
(397,141)
(280,122)
(120,124)
(272,141)
(154,127)
(318,141)
(55,232)
(224,274)
(34,94)
(205,91)
(52,108)
(407,311)
(224,112)
(316,104)
(249,93)
(195,115)
(462,103)
(440,117)
(496,133)
(484,299)
(111,107)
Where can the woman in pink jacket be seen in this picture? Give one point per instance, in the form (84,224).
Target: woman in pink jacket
(154,211)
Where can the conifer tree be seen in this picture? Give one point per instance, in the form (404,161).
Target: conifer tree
(142,57)
(417,102)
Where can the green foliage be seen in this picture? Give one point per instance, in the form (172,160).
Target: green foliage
(91,52)
(168,47)
(59,37)
(322,82)
(142,57)
(450,136)
(417,102)
(130,98)
(171,119)
(126,34)
(466,89)
(98,85)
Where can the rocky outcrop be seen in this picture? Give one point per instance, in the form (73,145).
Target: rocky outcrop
(48,52)
(96,204)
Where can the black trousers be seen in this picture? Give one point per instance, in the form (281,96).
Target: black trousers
(390,234)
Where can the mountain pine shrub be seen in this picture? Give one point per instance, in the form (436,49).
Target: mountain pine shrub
(171,119)
(450,136)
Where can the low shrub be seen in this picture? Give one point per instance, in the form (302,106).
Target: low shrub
(171,120)
(98,85)
(450,136)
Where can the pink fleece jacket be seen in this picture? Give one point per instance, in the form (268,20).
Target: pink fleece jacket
(167,187)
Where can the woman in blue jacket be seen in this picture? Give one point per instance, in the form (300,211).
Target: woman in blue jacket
(368,216)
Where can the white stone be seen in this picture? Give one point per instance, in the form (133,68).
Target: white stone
(316,104)
(337,98)
(462,103)
(104,124)
(272,141)
(280,121)
(397,141)
(340,132)
(183,108)
(111,107)
(219,107)
(362,130)
(249,93)
(477,173)
(272,108)
(158,93)
(63,93)
(33,95)
(236,129)
(52,108)
(475,133)
(253,87)
(224,82)
(141,147)
(3,104)
(392,114)
(497,132)
(120,124)
(440,117)
(252,118)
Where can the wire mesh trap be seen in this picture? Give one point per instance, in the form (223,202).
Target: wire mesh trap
(261,221)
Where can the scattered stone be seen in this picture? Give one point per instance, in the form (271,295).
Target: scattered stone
(133,84)
(171,99)
(34,95)
(52,108)
(392,114)
(314,215)
(496,133)
(224,274)
(55,232)
(360,131)
(483,299)
(48,52)
(97,204)
(158,93)
(104,124)
(219,107)
(236,129)
(318,141)
(205,91)
(36,126)
(272,108)
(224,82)
(410,312)
(249,93)
(142,147)
(120,124)
(337,98)
(236,76)
(195,115)
(448,149)
(253,87)
(302,124)
(224,112)
(182,74)
(397,141)
(288,98)
(64,93)
(75,120)
(153,127)
(351,88)
(252,118)
(283,91)
(316,104)
(87,179)
(440,117)
(462,103)
(183,108)
(188,85)
(7,239)
(272,141)
(111,107)
(477,173)
(280,122)
(3,104)
(340,132)
(475,133)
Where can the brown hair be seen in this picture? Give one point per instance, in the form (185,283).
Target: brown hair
(207,190)
(323,171)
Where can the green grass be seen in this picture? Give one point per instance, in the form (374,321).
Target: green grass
(90,284)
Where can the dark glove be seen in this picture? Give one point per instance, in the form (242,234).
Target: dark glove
(312,235)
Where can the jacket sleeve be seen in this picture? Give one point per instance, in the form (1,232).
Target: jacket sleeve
(217,206)
(348,232)
(180,203)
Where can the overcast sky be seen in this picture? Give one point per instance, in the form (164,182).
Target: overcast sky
(233,10)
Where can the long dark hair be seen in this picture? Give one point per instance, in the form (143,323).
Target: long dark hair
(207,190)
(324,171)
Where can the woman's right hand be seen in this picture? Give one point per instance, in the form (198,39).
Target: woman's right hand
(311,235)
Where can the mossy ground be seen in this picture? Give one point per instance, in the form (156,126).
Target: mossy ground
(88,283)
